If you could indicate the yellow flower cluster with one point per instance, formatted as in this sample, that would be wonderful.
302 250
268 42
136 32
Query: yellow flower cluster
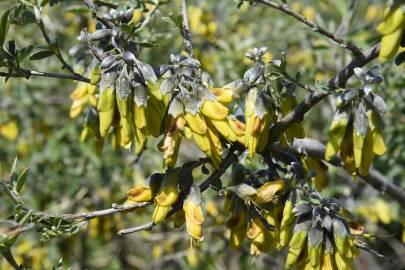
237 224
164 190
85 94
204 125
391 29
134 116
317 166
267 198
202 22
310 249
357 148
258 119
167 195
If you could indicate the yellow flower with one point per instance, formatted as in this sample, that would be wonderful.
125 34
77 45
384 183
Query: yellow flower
258 119
145 192
309 13
391 29
372 13
179 218
288 102
9 130
172 139
237 225
269 192
193 213
259 236
137 16
160 213
224 95
85 94
192 257
167 195
202 23
205 127
383 211
139 193
313 164
212 208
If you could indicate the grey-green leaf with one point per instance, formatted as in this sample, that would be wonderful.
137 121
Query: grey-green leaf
379 104
361 120
14 166
24 52
339 228
4 26
41 55
315 235
21 179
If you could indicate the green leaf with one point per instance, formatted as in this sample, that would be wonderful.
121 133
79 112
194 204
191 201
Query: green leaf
400 58
4 26
21 16
25 218
27 18
41 55
21 180
174 20
3 238
147 44
11 48
13 172
24 52
126 28
10 241
43 3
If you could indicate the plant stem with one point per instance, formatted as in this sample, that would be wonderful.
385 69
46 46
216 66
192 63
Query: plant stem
53 45
375 179
28 73
316 28
339 81
226 163
186 30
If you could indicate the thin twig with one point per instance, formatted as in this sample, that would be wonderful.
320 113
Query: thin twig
143 227
296 115
296 82
313 98
226 163
95 214
339 81
316 149
90 5
28 73
316 28
98 54
148 17
16 199
53 45
186 30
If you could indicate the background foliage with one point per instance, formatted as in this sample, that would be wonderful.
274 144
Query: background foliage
68 176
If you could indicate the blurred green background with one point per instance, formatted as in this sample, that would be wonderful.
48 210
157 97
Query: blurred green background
68 176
